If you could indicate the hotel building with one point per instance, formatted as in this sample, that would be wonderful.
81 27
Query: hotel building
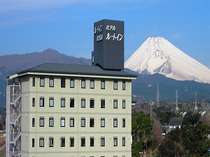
72 110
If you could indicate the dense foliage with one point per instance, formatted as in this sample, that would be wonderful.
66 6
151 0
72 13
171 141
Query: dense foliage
189 141
142 132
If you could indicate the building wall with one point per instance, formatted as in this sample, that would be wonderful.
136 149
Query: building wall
29 112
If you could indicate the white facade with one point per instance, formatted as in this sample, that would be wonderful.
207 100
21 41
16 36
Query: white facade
73 116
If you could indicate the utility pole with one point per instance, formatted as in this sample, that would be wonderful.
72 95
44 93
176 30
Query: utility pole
150 109
158 95
196 102
177 104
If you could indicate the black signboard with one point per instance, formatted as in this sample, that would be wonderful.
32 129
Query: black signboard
109 44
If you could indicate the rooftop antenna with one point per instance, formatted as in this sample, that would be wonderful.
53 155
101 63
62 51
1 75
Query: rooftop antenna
158 95
177 107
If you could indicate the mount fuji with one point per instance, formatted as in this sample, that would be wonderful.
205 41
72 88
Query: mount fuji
158 56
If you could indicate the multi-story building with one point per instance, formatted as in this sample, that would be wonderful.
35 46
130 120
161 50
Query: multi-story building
69 111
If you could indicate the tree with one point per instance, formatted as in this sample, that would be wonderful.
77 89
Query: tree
189 141
171 146
191 119
141 131
157 132
195 139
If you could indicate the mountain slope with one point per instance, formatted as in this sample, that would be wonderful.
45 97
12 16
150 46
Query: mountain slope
22 61
158 55
12 63
145 86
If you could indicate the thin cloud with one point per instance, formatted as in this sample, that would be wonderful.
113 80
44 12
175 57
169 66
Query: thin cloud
22 5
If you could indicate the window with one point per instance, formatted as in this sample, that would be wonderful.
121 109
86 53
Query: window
115 141
123 141
51 142
83 83
102 122
102 103
41 142
91 141
33 102
83 142
51 102
123 122
71 122
42 81
63 102
92 84
83 103
33 142
51 82
63 142
123 104
71 102
92 103
123 85
71 141
33 82
115 122
103 86
115 104
41 122
33 122
91 122
51 122
63 82
83 122
72 83
115 85
41 102
62 122
102 141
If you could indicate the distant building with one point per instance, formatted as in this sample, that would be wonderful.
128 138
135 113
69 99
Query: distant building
72 110
174 123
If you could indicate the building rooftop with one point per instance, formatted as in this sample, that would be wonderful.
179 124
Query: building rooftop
77 69
175 121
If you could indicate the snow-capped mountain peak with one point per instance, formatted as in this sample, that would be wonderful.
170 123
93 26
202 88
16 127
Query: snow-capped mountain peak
158 55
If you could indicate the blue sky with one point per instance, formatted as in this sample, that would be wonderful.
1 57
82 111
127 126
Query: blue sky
67 25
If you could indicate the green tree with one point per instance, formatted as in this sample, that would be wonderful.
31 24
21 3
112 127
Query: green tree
141 131
195 139
189 141
171 146
191 119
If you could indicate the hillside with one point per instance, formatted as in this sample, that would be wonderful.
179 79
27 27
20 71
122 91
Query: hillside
146 86
16 62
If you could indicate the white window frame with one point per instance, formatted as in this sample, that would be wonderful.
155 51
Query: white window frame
42 81
51 102
62 122
115 104
83 103
72 83
83 122
71 122
103 123
63 102
115 122
41 101
51 121
51 82
92 84
115 85
41 122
